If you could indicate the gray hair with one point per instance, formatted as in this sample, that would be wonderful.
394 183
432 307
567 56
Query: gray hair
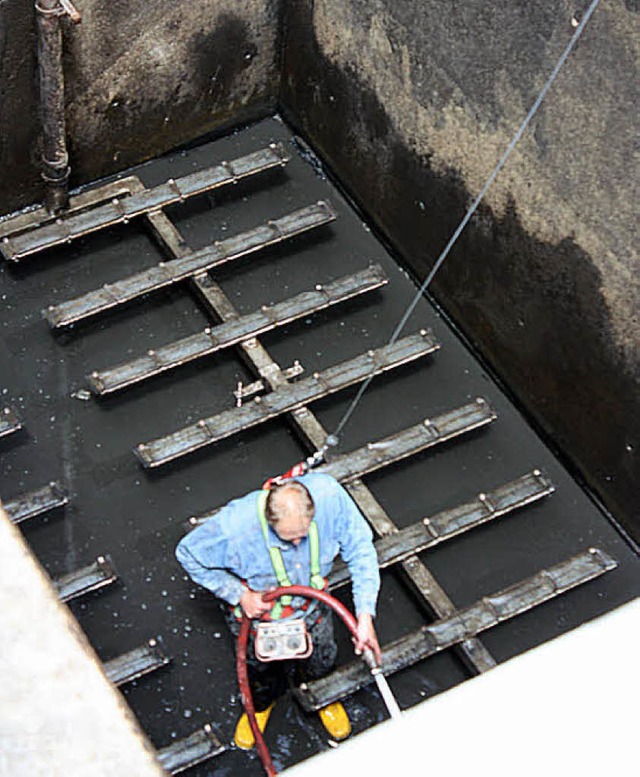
275 510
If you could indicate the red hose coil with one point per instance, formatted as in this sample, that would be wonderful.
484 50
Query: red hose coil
241 657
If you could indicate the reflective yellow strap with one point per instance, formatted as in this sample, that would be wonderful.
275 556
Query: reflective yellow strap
276 559
316 579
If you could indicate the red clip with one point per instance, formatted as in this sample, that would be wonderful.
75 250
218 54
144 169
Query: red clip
298 469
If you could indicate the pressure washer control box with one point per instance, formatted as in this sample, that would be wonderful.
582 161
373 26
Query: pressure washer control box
280 641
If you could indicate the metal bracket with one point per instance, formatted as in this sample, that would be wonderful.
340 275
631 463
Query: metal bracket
243 391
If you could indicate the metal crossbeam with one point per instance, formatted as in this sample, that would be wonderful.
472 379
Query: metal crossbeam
374 456
9 421
137 662
431 431
122 210
89 578
214 339
168 273
35 503
462 625
450 523
194 749
285 399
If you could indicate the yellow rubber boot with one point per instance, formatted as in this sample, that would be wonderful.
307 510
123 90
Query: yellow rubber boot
336 721
244 735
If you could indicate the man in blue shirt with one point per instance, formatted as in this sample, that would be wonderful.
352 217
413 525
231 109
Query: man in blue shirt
230 556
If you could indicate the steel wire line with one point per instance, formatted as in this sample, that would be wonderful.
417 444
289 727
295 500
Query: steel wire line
333 439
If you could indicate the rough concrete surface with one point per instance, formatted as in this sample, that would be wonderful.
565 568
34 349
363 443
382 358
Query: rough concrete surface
140 79
413 104
59 714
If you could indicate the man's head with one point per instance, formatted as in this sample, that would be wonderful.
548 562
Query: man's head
289 511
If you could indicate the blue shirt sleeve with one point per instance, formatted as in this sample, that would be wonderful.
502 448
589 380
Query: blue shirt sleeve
358 552
207 555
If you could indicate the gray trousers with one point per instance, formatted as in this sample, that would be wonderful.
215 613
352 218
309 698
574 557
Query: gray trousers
270 680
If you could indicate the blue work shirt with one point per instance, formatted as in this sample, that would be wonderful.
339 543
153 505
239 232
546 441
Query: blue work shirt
230 548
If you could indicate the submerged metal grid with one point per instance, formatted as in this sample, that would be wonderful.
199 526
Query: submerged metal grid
454 628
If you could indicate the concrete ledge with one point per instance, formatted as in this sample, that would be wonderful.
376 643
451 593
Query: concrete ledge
566 707
59 714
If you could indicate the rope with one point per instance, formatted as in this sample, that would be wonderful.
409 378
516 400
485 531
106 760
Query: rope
334 438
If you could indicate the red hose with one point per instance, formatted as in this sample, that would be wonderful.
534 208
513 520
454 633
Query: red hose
241 657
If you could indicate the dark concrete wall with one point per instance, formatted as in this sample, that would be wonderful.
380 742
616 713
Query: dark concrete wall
413 102
142 78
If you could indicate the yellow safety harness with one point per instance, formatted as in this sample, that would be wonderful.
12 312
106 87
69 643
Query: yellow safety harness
315 578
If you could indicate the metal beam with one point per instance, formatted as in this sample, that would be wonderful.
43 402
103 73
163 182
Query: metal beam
165 274
349 467
137 662
89 578
285 399
194 749
75 225
462 625
9 421
448 524
214 339
36 503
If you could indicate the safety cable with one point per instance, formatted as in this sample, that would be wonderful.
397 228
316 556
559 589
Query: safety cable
333 439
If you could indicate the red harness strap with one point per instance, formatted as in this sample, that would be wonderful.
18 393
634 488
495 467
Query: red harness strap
301 468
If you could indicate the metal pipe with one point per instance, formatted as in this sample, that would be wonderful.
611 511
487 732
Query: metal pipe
55 159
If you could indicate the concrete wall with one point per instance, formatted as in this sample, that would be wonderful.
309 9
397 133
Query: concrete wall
59 714
142 78
413 102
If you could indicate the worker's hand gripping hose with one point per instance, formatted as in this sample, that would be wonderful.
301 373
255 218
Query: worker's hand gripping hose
241 660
